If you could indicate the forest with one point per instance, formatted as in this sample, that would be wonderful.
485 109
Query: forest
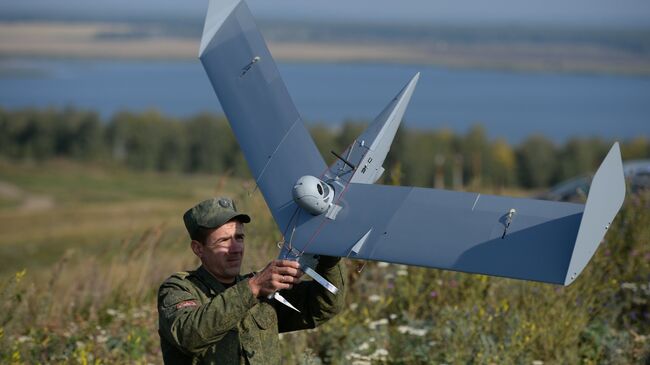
204 143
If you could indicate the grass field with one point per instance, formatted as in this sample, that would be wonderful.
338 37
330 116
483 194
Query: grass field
84 248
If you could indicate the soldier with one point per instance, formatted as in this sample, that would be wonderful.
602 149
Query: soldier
214 315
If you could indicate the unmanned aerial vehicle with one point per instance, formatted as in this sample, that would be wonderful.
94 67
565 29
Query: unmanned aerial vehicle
337 210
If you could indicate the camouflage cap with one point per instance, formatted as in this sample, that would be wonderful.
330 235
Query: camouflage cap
212 213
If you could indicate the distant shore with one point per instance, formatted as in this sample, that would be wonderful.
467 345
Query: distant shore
90 40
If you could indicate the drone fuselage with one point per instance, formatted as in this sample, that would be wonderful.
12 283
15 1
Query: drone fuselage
313 195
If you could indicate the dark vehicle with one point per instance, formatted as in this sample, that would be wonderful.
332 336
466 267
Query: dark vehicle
637 175
573 190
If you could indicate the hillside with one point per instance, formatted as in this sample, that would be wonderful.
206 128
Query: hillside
79 276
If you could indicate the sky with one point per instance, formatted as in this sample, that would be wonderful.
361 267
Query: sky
617 13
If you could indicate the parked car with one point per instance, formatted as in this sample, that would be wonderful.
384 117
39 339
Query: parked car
572 190
637 175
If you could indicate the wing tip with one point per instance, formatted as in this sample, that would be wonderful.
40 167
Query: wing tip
605 199
412 83
217 13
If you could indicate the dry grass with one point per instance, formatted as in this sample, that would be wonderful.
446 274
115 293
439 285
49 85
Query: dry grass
80 40
96 304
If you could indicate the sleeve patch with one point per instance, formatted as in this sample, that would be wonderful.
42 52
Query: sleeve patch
187 303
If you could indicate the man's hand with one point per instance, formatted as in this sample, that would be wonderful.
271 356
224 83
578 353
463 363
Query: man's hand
277 275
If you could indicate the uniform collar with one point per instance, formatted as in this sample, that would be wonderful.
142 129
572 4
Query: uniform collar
215 285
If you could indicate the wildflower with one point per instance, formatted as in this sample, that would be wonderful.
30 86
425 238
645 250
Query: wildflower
138 314
433 294
358 359
363 347
402 272
538 362
23 339
392 316
374 298
629 286
111 312
20 275
383 264
412 331
504 305
379 354
15 357
389 276
380 322
354 306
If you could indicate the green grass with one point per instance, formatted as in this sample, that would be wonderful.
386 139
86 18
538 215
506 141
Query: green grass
71 183
89 208
94 259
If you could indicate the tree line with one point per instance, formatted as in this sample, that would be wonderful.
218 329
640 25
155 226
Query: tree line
204 143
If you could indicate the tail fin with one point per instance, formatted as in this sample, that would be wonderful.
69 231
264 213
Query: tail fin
605 199
371 147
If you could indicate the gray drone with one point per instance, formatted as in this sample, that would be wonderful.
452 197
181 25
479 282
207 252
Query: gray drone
339 211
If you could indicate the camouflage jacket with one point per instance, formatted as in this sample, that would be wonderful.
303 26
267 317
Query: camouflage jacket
202 322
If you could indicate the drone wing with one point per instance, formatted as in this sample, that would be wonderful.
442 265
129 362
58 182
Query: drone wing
542 241
270 132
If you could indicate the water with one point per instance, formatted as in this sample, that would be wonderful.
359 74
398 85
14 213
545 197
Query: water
509 105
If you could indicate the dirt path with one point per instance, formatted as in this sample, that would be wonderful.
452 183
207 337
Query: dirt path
28 202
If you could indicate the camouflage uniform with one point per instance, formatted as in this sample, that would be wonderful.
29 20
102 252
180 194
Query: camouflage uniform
201 321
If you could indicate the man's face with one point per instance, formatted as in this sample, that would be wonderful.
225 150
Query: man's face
223 251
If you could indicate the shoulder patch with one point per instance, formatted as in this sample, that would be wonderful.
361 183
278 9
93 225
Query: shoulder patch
187 303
